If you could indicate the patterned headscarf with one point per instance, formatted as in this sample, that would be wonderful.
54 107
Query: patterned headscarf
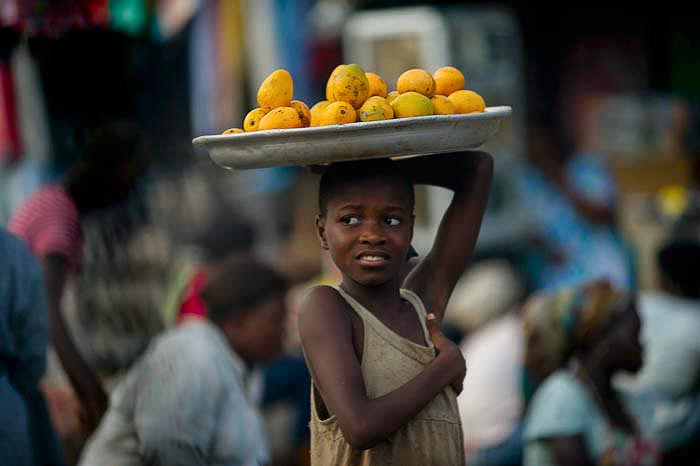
558 323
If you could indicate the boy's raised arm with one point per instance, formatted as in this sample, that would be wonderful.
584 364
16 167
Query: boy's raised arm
326 334
469 175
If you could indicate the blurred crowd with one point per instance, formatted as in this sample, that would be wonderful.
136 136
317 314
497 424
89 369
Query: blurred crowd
148 305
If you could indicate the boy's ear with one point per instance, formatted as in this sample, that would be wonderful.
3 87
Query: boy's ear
321 231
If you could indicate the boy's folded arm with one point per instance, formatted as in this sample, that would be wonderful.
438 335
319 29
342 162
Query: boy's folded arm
326 336
469 175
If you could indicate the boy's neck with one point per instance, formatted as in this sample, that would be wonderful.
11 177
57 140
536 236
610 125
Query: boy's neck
373 297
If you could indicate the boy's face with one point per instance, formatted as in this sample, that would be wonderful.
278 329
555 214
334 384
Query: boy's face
367 228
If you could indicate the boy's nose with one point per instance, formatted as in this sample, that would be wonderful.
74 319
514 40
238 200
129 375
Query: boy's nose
372 235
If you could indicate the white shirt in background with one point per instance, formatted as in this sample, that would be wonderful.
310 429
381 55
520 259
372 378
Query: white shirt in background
188 401
671 338
491 402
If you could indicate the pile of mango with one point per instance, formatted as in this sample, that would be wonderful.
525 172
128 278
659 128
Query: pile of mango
353 95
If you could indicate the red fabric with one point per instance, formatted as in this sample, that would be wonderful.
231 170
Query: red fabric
10 142
49 222
192 305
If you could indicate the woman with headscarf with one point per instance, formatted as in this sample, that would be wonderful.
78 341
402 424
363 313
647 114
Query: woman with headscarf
576 340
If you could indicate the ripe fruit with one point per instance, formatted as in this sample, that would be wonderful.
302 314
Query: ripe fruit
350 85
233 131
338 113
280 117
448 79
416 80
303 112
442 105
466 101
377 86
252 119
329 84
411 104
317 110
376 108
391 96
276 90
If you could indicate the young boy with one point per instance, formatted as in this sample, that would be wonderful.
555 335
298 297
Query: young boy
385 379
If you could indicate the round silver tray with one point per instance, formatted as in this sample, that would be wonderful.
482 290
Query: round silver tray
365 140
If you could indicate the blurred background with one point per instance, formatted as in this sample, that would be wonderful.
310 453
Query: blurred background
606 104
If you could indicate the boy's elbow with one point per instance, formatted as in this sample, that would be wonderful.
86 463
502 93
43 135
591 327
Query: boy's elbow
360 441
360 435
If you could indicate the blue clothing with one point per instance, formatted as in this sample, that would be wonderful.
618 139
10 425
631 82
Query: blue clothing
588 251
23 345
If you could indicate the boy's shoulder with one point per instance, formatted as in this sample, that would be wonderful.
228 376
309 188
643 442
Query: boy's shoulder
320 295
323 303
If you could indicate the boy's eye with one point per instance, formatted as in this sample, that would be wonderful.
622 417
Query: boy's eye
393 221
350 219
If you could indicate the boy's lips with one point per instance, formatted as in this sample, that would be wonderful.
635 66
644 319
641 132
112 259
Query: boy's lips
372 258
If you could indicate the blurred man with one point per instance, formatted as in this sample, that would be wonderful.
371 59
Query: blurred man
666 392
192 398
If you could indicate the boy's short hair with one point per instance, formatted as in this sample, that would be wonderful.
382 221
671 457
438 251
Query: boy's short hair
679 264
340 173
237 285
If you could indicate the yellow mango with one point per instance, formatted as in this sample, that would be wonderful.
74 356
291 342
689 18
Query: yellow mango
280 117
412 104
377 86
276 90
329 84
351 85
303 112
252 119
338 113
448 79
391 96
233 131
376 108
416 80
466 101
442 105
317 110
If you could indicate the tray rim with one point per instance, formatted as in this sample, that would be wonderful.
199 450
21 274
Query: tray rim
500 111
244 151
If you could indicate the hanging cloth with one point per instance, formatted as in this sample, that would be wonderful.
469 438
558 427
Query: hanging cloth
51 18
10 142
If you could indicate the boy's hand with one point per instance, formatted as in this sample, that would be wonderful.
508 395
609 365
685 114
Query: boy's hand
449 352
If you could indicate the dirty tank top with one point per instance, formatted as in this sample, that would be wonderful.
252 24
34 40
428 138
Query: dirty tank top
432 437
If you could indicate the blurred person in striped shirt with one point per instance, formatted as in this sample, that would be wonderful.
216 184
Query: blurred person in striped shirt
50 223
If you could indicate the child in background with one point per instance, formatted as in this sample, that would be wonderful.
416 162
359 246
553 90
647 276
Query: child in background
385 379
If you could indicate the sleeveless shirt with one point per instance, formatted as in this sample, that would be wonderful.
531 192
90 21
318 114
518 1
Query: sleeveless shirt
432 437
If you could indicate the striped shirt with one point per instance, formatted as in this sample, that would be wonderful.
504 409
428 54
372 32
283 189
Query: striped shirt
49 223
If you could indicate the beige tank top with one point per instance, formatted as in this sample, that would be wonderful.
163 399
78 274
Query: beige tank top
433 437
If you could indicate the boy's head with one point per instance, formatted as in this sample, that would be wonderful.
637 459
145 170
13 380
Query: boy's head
365 219
341 174
246 299
679 267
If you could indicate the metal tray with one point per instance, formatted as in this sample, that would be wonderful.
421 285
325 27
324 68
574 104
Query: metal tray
365 140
